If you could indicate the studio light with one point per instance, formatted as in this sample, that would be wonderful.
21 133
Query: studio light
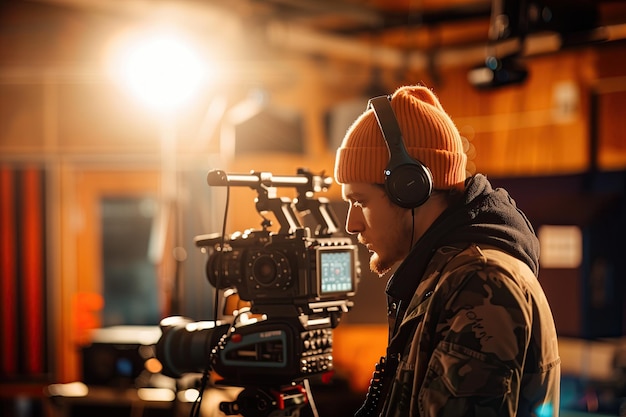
498 72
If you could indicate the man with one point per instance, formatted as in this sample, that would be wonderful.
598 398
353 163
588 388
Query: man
470 330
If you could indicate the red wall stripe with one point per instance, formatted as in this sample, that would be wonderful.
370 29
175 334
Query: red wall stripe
33 270
8 255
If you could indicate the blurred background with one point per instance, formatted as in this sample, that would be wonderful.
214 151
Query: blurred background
113 111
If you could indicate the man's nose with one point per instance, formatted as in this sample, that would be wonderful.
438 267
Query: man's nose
354 223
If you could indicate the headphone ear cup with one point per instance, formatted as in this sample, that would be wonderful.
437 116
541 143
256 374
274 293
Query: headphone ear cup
408 185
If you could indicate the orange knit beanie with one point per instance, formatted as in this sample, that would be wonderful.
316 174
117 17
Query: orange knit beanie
429 135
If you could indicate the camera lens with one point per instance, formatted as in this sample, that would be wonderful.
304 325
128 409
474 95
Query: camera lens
223 269
185 346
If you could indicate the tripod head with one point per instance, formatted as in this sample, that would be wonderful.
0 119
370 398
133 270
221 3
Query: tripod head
285 401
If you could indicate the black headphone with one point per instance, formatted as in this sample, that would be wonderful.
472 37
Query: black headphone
408 182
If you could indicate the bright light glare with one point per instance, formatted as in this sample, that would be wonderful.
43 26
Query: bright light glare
162 70
156 394
188 396
72 389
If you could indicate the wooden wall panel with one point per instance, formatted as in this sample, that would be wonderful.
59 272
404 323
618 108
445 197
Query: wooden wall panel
21 117
527 129
611 126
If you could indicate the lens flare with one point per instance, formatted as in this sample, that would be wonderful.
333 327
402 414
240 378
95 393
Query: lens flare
161 68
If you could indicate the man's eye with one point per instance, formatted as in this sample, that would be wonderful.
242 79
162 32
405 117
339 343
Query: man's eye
357 204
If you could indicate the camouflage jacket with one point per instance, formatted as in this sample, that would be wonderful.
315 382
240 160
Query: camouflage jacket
476 339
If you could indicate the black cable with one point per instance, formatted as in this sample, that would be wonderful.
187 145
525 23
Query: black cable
195 408
220 273
412 228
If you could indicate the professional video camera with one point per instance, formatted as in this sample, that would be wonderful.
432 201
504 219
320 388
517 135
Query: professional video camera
298 282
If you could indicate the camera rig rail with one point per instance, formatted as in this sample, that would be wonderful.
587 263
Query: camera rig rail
305 183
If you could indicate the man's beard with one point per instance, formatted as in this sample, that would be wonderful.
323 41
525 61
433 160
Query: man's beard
378 266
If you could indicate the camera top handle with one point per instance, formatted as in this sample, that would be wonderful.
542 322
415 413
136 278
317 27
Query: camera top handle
304 182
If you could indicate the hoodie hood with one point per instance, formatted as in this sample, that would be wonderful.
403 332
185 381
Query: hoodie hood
484 216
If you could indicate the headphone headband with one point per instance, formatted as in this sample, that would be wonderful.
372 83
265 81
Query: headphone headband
407 181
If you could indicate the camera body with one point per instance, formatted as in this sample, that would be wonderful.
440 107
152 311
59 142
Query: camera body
275 269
